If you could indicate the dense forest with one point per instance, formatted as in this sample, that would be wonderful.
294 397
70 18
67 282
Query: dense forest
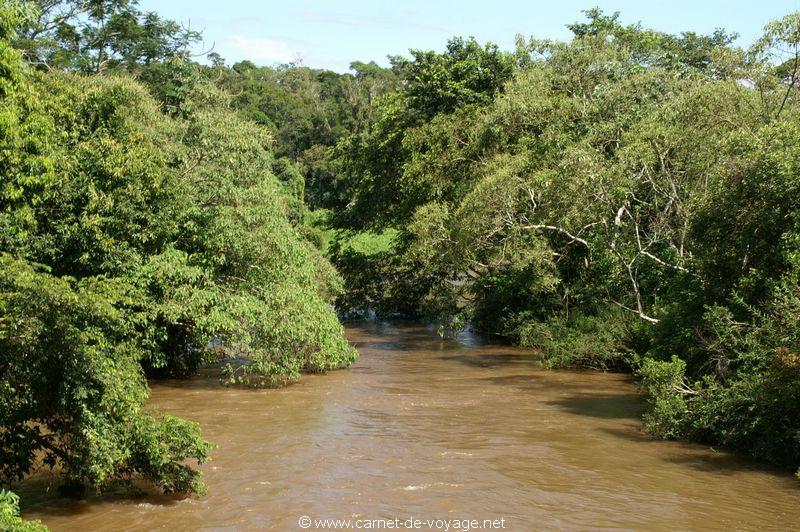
628 200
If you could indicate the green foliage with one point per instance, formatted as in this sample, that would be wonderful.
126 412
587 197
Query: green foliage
682 53
383 168
466 73
368 243
625 200
600 342
666 390
9 515
13 14
308 111
376 279
133 233
72 390
97 35
745 394
760 194
370 164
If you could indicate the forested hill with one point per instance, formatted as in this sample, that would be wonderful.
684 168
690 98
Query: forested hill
628 200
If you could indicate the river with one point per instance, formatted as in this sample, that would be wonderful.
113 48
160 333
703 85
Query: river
425 428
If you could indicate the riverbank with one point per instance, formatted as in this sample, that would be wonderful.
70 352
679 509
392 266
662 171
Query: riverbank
426 427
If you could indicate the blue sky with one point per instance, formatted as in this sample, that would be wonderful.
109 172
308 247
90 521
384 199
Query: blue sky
331 34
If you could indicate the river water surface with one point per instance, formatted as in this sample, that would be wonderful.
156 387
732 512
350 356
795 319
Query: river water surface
426 428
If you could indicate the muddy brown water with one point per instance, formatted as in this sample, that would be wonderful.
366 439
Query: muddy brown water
426 428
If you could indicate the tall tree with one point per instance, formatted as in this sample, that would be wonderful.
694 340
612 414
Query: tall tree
95 35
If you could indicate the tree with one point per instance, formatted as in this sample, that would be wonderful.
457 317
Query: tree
96 35
129 239
626 198
779 45
72 389
466 73
308 111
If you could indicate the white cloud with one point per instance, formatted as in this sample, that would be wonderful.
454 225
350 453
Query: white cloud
262 50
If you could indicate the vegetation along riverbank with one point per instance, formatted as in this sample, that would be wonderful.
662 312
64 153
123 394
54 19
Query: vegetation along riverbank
628 200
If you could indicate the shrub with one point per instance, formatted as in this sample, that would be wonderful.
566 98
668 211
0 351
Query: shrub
10 520
601 342
745 393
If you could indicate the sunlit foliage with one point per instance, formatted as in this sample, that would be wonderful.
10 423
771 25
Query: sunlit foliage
133 239
623 199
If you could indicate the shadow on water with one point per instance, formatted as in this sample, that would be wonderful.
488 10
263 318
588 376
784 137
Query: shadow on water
617 406
387 346
701 458
636 436
494 360
727 463
40 490
73 508
194 382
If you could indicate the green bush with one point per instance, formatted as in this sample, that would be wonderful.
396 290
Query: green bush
745 393
10 521
72 390
664 385
601 342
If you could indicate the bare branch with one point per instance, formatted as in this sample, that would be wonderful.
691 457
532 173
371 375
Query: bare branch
559 229
637 312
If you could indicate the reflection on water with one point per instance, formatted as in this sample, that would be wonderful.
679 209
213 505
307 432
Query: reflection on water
429 428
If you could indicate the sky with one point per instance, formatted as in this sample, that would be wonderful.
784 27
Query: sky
331 34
